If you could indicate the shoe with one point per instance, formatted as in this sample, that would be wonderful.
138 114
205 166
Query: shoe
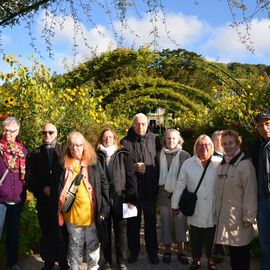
63 266
154 259
167 257
14 267
196 264
219 258
132 258
182 258
211 264
106 266
122 266
48 266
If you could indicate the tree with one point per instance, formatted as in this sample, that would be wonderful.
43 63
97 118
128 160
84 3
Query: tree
201 95
32 96
14 11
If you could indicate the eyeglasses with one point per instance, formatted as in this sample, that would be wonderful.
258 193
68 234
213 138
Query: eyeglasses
206 145
44 132
76 145
222 176
10 131
230 143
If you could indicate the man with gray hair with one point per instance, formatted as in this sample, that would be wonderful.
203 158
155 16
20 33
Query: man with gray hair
44 178
143 146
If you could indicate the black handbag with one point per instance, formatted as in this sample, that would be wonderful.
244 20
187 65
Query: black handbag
188 199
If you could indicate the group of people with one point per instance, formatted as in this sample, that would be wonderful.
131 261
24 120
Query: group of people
233 195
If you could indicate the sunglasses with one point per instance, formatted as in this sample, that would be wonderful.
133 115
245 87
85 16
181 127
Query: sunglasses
43 132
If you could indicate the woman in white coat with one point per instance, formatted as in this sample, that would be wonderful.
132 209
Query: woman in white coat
202 223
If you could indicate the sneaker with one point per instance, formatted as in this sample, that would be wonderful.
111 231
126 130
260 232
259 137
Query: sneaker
122 266
132 258
195 265
154 259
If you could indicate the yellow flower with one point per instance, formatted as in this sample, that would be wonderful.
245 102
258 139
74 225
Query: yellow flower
9 101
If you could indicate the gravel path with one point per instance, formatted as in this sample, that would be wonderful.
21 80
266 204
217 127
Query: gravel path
34 262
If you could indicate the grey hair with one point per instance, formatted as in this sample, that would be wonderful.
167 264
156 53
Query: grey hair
138 115
181 140
203 136
9 120
216 133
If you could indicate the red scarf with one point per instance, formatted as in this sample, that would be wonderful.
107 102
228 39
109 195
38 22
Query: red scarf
13 156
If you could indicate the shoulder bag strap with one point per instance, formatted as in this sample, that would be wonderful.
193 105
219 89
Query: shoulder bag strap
204 171
3 177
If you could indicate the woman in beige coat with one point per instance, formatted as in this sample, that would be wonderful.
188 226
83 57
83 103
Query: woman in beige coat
236 201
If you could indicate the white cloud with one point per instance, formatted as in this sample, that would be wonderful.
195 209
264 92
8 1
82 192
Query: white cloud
88 42
226 43
5 39
189 32
184 30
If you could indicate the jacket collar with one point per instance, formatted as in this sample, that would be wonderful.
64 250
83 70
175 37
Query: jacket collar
234 161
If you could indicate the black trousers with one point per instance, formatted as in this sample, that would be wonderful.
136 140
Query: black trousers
12 224
240 257
150 234
200 236
120 237
54 238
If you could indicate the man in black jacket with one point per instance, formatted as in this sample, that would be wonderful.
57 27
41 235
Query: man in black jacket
43 180
261 158
143 146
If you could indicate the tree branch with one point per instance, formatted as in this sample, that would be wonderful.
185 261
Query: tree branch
21 11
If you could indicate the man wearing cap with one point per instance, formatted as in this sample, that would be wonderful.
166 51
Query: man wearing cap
43 180
261 158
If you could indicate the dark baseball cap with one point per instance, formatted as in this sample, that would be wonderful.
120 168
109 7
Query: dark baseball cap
262 115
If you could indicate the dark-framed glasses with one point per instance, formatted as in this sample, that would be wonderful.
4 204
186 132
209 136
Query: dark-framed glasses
44 132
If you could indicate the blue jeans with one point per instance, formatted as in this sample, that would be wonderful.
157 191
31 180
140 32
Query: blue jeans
2 217
263 226
12 222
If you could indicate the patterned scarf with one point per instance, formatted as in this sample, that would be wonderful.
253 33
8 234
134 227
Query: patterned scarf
13 156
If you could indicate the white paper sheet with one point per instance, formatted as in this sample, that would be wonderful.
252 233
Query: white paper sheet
128 213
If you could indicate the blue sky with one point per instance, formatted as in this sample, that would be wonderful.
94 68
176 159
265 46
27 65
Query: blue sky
203 28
